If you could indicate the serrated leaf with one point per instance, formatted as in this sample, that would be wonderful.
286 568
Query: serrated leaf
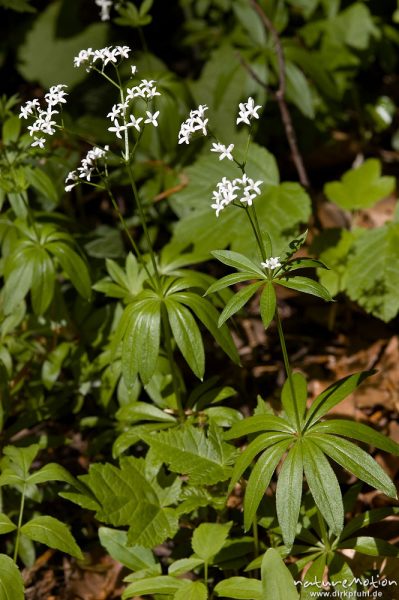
289 494
268 303
277 581
356 461
208 539
189 451
238 301
239 588
323 485
55 472
11 582
361 187
305 285
187 335
6 525
133 557
260 478
52 533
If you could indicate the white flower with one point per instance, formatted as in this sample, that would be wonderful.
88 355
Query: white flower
39 142
134 122
223 151
105 55
105 6
117 128
134 92
28 108
195 122
55 95
271 263
116 111
248 111
133 69
152 118
87 167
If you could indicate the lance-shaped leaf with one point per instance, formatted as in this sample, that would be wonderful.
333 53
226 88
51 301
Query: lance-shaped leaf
356 461
206 460
289 493
164 584
18 272
258 423
42 281
238 301
11 582
268 303
52 533
313 577
134 558
229 280
240 588
305 285
184 565
368 518
147 325
323 485
260 479
295 400
333 395
238 261
73 265
358 431
187 335
370 546
277 581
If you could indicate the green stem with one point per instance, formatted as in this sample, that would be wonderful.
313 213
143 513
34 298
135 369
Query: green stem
21 512
257 227
256 232
106 77
288 369
126 133
206 573
173 371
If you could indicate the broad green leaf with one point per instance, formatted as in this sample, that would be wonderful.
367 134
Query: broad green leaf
20 459
315 573
305 285
289 494
133 557
358 431
258 423
370 546
268 303
6 525
55 472
373 273
52 366
238 261
74 267
147 327
143 411
298 90
187 335
208 315
11 129
239 588
361 187
11 582
323 485
299 400
18 283
336 247
333 395
208 539
238 301
229 280
153 585
277 582
356 461
52 533
191 590
260 443
42 183
184 565
127 329
260 478
43 279
206 460
367 518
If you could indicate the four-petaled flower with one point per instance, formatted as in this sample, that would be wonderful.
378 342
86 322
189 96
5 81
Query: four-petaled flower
225 152
247 111
271 263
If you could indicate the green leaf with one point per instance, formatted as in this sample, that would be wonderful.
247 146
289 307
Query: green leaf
11 582
356 461
301 394
74 267
258 423
191 590
323 485
313 576
268 303
6 525
147 326
42 183
370 546
153 585
361 187
143 411
333 395
305 285
52 533
43 280
298 90
54 472
238 261
184 565
134 558
11 129
206 460
187 335
240 588
260 478
18 282
289 494
358 431
208 539
367 518
229 280
277 582
373 273
238 301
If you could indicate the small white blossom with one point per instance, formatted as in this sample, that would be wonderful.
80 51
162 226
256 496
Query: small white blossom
271 263
243 189
43 117
195 122
117 128
105 6
28 108
248 111
116 111
225 152
152 118
39 142
87 168
135 122
105 55
133 69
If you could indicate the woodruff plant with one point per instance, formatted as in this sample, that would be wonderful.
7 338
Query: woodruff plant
161 304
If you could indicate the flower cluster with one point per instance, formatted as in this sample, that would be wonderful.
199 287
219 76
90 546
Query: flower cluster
242 189
110 54
225 152
195 122
271 263
145 90
44 123
105 7
88 166
248 111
